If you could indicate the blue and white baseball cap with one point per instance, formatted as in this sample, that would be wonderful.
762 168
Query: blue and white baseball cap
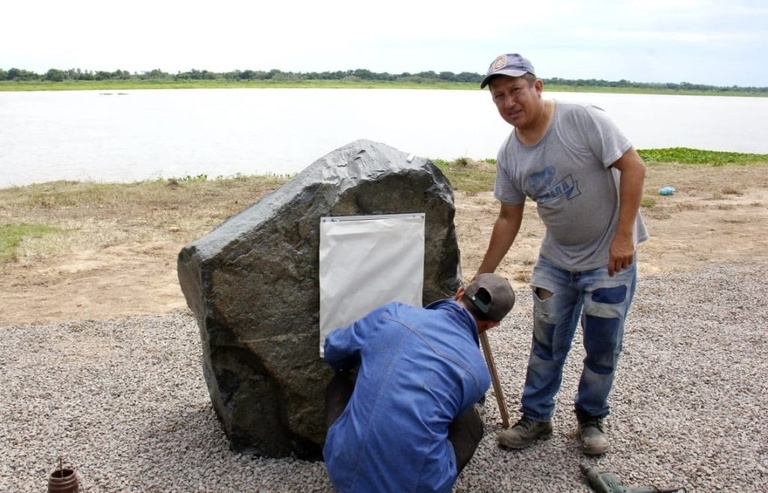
512 64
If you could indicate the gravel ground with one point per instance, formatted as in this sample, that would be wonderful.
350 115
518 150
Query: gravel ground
124 402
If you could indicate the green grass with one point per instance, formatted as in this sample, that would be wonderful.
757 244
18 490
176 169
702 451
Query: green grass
647 203
685 155
472 177
12 235
655 90
119 85
468 175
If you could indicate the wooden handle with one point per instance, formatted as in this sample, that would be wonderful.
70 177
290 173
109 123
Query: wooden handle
495 380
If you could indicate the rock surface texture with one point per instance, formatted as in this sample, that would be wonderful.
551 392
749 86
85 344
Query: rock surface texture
254 288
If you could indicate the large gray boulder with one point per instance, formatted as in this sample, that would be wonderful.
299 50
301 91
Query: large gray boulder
253 285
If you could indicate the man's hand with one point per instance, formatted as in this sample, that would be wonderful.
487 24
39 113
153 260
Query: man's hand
622 254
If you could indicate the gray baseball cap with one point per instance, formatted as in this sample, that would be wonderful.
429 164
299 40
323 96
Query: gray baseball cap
491 295
512 64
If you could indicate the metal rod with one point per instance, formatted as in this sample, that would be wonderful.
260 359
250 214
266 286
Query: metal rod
495 380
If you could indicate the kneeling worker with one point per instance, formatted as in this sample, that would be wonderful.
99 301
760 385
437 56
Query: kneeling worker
400 408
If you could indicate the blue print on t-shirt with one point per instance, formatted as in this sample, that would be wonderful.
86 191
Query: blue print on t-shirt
542 180
567 186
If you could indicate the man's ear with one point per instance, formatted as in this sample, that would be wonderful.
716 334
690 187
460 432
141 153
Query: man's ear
459 293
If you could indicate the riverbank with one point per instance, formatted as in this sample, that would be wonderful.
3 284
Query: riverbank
123 85
110 249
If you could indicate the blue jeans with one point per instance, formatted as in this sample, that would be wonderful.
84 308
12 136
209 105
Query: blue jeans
602 303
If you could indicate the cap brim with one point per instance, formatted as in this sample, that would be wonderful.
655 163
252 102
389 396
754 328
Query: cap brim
511 73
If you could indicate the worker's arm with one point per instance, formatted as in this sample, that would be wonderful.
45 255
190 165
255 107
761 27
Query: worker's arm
632 169
342 349
343 346
504 233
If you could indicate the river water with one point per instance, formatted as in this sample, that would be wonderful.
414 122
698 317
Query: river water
147 134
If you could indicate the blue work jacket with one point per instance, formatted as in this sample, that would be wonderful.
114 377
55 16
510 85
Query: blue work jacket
419 369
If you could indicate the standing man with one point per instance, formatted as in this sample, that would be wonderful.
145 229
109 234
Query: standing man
587 182
407 422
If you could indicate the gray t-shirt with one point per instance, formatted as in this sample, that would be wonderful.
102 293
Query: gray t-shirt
568 174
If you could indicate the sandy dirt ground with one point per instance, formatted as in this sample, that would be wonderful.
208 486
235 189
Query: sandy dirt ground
718 215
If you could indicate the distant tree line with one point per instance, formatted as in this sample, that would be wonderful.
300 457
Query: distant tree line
56 75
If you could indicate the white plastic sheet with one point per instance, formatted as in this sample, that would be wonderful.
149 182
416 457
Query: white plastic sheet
367 261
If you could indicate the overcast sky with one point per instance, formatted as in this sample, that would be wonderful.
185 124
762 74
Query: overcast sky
716 42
